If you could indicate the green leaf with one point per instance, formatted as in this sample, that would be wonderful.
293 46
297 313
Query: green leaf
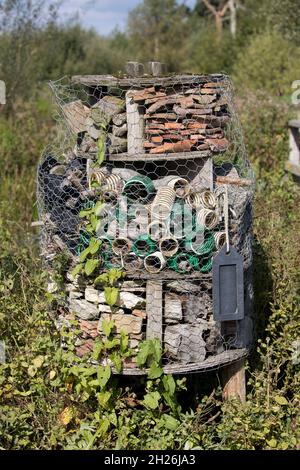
90 266
169 422
272 443
155 371
151 400
114 275
111 295
84 254
124 342
103 375
144 352
281 400
102 279
98 208
77 269
94 245
169 384
107 327
101 149
104 426
97 350
86 212
104 397
117 361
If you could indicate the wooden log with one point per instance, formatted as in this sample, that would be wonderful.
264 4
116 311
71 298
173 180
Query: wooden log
76 114
103 111
236 181
233 381
154 298
135 127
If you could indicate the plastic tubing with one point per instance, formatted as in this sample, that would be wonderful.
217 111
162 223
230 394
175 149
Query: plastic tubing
113 182
207 218
181 187
121 246
194 200
157 230
155 262
220 239
139 189
98 176
208 199
203 246
168 246
143 246
184 263
132 262
163 202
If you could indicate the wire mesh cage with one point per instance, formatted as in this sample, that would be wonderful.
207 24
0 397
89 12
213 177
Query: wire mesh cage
140 171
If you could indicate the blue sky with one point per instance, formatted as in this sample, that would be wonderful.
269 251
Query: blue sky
102 15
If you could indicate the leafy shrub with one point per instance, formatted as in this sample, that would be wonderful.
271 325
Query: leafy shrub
268 63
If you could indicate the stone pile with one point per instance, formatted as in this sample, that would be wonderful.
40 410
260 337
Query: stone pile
189 332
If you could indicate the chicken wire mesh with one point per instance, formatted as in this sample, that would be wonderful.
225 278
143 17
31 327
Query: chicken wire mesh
140 168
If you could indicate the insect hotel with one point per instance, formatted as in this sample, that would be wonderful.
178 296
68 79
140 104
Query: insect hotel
150 178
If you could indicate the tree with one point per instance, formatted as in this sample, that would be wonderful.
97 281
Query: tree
219 8
20 24
158 29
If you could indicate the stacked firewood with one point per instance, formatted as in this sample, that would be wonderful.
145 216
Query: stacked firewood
184 119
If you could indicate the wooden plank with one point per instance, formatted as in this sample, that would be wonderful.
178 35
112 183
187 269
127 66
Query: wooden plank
234 382
161 156
124 82
154 310
168 275
135 127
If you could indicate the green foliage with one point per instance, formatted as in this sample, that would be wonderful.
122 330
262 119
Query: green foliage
269 63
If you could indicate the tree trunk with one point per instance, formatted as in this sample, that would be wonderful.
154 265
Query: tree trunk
233 21
219 25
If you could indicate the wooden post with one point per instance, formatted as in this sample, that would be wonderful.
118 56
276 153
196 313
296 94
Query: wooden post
233 381
154 310
135 127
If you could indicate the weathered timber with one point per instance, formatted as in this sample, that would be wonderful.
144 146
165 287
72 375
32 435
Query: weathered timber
162 156
135 127
110 80
233 380
154 310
